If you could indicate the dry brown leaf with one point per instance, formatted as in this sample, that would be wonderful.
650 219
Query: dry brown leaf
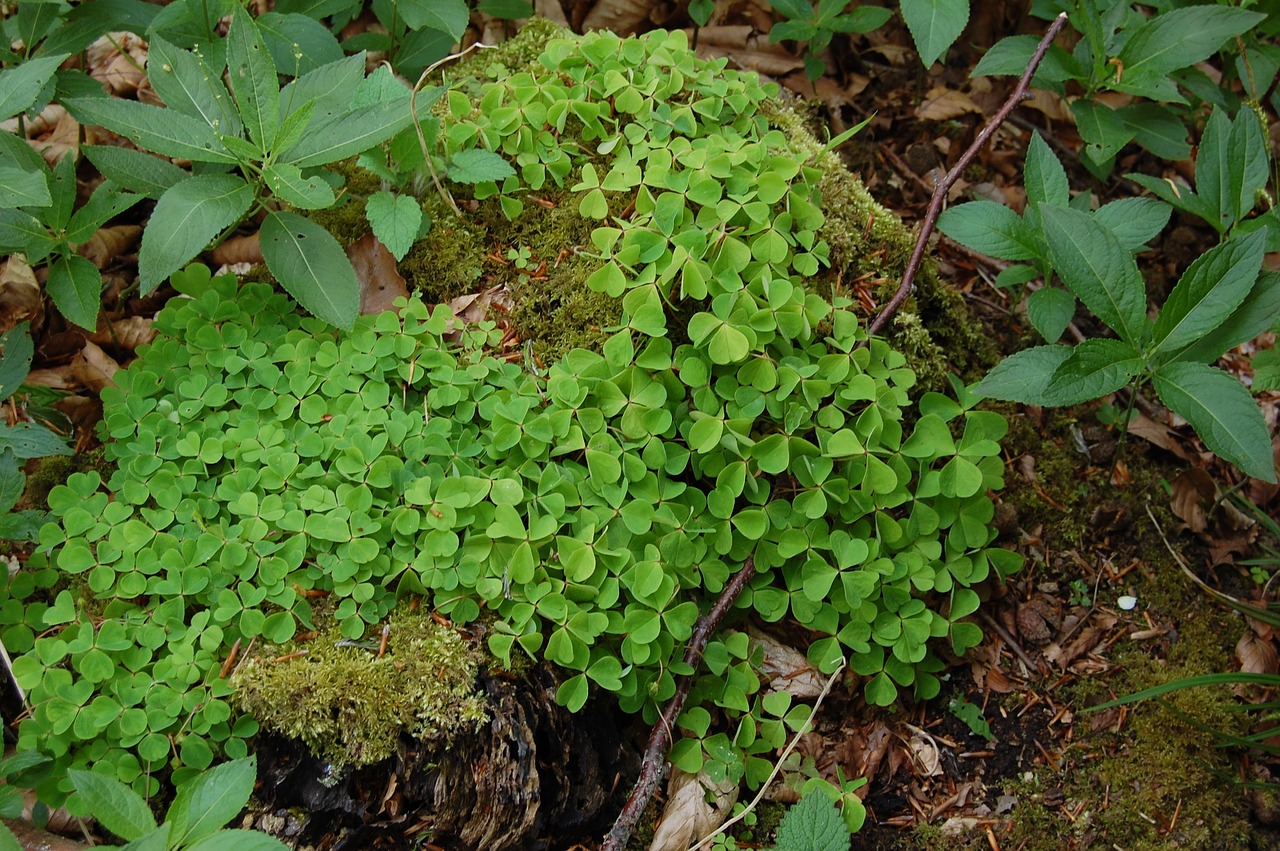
1160 435
626 17
108 243
35 126
1257 655
688 816
942 103
62 139
732 36
128 333
1049 104
787 669
237 249
56 378
117 60
380 282
768 62
19 287
1193 490
94 368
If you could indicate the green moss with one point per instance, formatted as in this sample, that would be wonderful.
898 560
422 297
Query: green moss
350 706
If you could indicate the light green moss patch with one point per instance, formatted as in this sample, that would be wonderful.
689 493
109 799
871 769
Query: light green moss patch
350 706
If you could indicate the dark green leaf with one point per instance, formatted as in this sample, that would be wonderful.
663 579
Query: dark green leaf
21 85
1248 167
813 824
1051 310
1213 171
1134 221
20 231
1180 196
1256 314
298 43
28 440
1011 55
508 10
1221 411
12 481
1098 269
934 25
75 285
448 16
331 86
22 188
118 807
990 228
1208 292
1100 126
287 183
16 350
312 266
106 202
186 219
164 131
187 84
205 804
337 137
1158 129
1024 376
1044 176
395 220
253 80
1096 368
1180 38
138 172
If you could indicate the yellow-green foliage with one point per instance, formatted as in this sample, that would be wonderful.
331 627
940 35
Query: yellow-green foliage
350 706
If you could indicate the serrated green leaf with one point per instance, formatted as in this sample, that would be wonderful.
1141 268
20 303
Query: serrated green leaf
311 265
1179 38
1134 221
990 228
287 183
1221 411
22 188
21 86
813 824
934 25
330 86
154 128
1213 170
12 481
1010 56
212 799
187 84
1209 292
136 171
118 807
1098 269
298 43
252 74
1096 367
335 137
1248 168
1158 129
479 165
240 840
20 231
1024 376
395 220
1101 128
75 285
1181 196
1256 314
29 440
447 16
16 351
1044 176
1051 310
186 219
106 202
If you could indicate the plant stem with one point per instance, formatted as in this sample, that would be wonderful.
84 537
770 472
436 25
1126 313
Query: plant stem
944 186
654 766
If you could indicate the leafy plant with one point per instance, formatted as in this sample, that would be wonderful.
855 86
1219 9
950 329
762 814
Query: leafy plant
816 25
593 511
998 231
934 25
813 824
21 441
1232 171
1124 50
13 771
278 141
1223 299
195 819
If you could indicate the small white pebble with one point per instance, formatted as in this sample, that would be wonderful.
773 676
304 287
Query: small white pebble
1127 602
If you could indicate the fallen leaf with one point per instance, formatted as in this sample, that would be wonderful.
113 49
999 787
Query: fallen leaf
786 668
1161 435
62 139
1256 656
380 281
128 333
94 368
688 816
942 103
19 288
237 249
108 243
117 60
1192 490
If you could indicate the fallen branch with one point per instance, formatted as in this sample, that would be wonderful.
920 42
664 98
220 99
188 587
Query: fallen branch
654 766
949 180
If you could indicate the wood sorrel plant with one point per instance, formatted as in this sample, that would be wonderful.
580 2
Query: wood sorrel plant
593 512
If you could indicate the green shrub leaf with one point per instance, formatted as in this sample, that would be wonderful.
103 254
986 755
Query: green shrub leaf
1134 221
395 220
1098 269
212 799
20 86
240 840
1179 38
134 170
75 285
479 165
187 84
1221 411
253 80
1208 292
1046 179
1051 310
164 131
991 228
1024 376
186 219
121 810
934 25
1096 367
813 824
1256 314
312 266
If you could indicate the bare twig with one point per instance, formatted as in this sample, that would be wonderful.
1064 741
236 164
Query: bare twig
944 186
654 765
